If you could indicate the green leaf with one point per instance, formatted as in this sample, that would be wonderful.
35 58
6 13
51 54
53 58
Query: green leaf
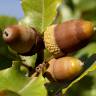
34 87
8 93
29 60
39 13
12 78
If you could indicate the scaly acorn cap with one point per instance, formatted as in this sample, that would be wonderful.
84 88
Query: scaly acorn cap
67 37
24 40
50 42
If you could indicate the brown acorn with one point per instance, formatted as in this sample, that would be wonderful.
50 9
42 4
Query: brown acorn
67 37
65 68
24 40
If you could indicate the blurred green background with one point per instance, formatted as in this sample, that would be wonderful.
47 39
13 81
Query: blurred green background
71 9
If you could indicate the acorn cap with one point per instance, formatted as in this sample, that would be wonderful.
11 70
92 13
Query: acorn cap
67 37
50 43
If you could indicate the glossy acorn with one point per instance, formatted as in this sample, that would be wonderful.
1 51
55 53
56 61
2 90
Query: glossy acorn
61 39
24 40
65 68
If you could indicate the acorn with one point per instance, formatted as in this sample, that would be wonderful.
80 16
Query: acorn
61 39
24 40
64 68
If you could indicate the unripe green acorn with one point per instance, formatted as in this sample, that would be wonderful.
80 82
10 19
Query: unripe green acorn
65 68
67 37
24 40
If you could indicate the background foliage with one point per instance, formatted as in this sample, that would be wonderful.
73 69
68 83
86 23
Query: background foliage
40 14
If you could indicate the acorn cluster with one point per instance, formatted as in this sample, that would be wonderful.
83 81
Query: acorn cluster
59 39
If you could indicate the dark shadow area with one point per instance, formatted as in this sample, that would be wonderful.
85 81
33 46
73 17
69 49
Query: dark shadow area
82 86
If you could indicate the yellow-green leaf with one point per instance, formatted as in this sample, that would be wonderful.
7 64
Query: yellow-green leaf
39 13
